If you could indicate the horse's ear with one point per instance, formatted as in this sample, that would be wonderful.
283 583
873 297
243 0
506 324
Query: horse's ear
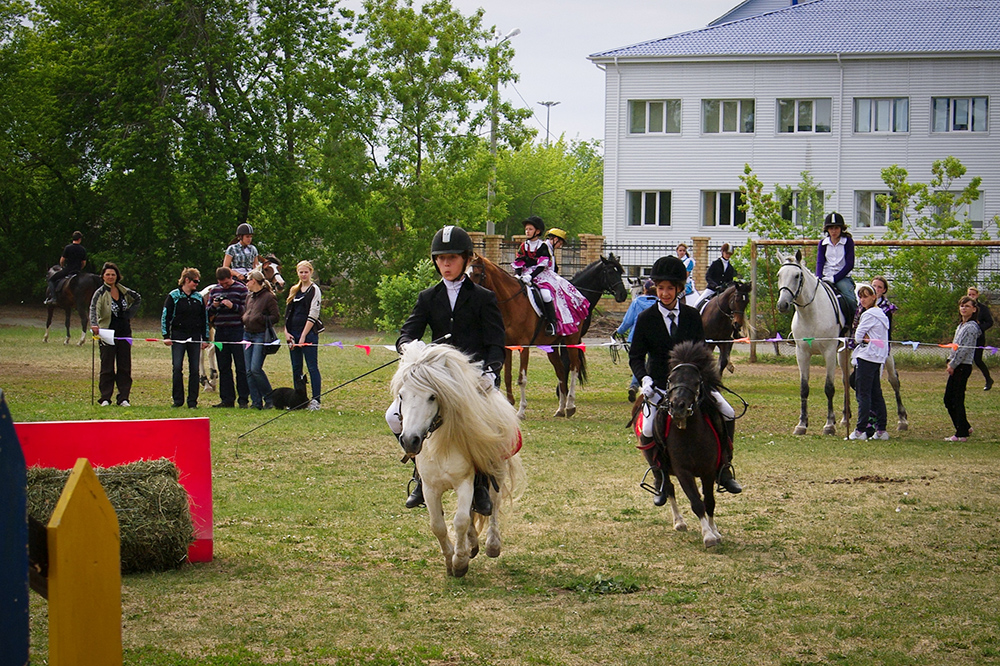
798 256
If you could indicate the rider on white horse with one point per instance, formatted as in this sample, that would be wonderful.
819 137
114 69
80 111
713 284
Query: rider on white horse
835 261
458 307
657 330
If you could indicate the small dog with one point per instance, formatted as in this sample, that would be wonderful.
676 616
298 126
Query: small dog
290 398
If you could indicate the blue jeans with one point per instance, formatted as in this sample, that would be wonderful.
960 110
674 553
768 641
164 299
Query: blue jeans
256 378
311 357
177 352
846 288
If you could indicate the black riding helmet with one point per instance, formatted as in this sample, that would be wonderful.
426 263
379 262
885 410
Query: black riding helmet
536 222
669 268
834 220
451 240
244 230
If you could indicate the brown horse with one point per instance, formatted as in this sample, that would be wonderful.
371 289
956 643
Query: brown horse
723 319
74 292
525 328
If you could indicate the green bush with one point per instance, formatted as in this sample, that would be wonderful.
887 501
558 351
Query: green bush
398 293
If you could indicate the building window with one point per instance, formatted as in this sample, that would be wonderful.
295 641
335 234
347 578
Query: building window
648 208
800 211
868 212
722 209
654 117
727 116
971 212
881 115
804 115
959 114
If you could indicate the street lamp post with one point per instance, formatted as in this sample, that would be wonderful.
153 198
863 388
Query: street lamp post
548 110
491 187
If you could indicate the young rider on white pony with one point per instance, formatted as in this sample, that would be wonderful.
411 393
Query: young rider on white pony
470 314
657 330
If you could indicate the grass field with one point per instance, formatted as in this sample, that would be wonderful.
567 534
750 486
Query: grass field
837 552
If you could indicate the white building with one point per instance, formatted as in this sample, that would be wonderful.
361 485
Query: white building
838 88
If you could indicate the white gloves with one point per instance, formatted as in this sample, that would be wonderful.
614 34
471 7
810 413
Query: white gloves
648 390
488 381
526 277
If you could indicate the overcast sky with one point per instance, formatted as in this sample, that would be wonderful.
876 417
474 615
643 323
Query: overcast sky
558 35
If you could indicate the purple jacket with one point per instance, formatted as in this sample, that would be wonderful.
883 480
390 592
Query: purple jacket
848 260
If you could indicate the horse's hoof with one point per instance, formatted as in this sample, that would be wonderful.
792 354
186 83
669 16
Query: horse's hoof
559 414
902 425
475 551
829 430
66 341
680 527
459 573
711 541
492 550
570 412
799 430
731 368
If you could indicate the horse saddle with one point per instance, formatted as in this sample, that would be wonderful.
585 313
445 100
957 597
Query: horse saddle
846 310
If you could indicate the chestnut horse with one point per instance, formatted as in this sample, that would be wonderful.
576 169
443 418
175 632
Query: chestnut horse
525 328
73 293
723 319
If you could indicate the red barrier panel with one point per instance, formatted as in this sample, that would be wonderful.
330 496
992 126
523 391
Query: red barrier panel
108 443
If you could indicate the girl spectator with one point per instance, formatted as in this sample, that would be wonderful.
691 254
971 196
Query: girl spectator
688 261
113 307
301 330
184 325
872 347
960 368
261 311
881 287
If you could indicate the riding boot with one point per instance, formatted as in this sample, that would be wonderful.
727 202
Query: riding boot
549 309
416 497
481 502
660 496
726 477
50 294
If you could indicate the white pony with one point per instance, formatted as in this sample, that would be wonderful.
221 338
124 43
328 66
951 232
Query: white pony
816 329
455 423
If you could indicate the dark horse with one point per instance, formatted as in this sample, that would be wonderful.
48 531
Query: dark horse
73 293
687 435
723 319
524 327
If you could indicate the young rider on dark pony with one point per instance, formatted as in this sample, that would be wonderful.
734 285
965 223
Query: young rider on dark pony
470 314
835 261
657 330
533 256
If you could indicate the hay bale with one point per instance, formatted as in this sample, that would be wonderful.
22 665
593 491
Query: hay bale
154 520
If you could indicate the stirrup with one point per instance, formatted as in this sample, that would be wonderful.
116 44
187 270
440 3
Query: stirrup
645 485
409 494
719 488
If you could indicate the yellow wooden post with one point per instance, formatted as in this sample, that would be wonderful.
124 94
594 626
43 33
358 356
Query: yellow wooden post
85 608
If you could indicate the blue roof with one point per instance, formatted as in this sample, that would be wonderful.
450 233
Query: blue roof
827 27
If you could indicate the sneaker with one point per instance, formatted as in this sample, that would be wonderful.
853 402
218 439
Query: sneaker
104 403
124 403
881 434
857 434
313 405
956 438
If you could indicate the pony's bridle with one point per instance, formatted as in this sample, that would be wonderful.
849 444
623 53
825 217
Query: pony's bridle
798 290
435 424
672 388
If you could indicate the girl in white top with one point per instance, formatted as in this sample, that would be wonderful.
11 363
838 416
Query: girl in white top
872 338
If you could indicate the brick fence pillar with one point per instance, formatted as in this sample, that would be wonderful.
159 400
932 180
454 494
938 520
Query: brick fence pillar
591 247
699 251
492 251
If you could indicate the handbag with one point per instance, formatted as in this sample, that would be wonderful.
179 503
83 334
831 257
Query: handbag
271 344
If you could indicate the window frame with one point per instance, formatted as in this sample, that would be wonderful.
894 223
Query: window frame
670 115
876 106
872 210
743 118
659 206
797 104
952 110
736 218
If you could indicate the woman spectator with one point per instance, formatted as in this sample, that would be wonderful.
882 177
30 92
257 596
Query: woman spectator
113 307
261 312
184 325
688 261
960 368
301 330
872 347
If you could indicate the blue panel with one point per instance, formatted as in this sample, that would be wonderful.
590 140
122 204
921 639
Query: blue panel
13 545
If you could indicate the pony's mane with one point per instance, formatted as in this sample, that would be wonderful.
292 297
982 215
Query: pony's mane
699 355
477 420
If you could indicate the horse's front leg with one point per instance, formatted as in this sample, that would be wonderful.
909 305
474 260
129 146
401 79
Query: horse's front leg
572 373
890 370
435 514
562 387
507 380
48 323
522 382
679 524
802 358
461 523
725 351
845 365
69 316
493 530
690 486
84 315
708 490
830 390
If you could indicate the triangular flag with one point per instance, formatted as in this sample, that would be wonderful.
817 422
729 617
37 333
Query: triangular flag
367 348
878 343
340 344
581 347
546 348
808 341
951 345
517 348
152 339
128 340
218 345
747 340
912 343
991 350
246 344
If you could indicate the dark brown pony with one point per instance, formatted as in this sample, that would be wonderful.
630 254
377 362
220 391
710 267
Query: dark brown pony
73 293
724 317
686 435
525 328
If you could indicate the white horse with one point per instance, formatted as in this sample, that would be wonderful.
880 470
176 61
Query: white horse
209 370
455 423
816 329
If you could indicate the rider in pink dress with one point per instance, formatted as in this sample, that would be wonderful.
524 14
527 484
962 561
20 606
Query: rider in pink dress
563 306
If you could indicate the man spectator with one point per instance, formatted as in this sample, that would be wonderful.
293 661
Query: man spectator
985 320
73 259
225 304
